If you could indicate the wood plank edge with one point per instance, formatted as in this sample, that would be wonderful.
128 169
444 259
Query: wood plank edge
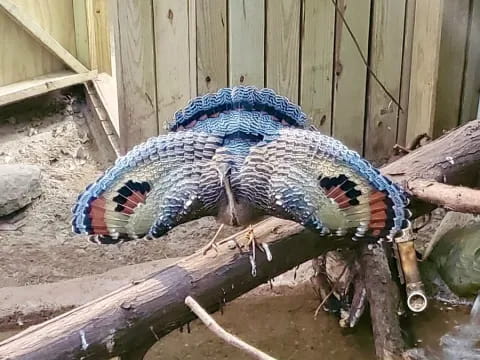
29 88
100 123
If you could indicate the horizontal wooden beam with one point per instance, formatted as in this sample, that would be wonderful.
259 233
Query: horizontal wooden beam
29 88
38 33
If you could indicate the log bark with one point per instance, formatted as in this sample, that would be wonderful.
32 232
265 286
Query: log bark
384 300
131 319
455 198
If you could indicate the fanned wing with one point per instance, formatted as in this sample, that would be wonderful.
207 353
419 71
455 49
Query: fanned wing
315 180
159 184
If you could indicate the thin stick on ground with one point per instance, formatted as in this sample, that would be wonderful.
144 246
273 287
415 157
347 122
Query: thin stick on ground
213 326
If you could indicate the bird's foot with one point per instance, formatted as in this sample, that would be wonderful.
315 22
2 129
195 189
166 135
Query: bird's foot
251 241
212 244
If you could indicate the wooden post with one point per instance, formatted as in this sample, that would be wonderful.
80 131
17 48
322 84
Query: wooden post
135 65
386 62
173 70
350 73
211 45
85 32
471 76
451 65
316 79
283 44
425 59
406 71
246 42
102 29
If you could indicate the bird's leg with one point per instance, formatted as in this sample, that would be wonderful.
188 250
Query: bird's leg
212 243
251 240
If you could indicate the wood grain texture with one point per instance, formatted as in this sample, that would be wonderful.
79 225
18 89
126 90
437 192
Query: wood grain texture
136 65
282 47
451 65
425 58
211 45
386 45
103 29
316 80
30 25
246 42
350 74
192 42
84 41
173 71
406 71
54 17
471 77
43 84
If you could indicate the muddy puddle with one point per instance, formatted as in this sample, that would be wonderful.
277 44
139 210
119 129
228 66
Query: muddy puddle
284 327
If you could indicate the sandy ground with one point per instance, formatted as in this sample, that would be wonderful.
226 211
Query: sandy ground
44 249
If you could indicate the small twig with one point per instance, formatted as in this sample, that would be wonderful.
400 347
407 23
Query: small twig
401 148
364 59
213 326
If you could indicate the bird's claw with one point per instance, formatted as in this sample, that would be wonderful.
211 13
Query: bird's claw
251 241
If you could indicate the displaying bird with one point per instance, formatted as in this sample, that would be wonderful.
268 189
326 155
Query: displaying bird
240 154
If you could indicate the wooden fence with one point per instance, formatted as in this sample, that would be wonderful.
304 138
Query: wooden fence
50 44
424 52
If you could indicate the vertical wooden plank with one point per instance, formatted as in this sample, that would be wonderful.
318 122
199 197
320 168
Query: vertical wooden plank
192 43
350 73
85 32
283 47
173 71
386 61
211 45
471 78
316 80
451 65
136 66
102 27
246 42
406 71
425 57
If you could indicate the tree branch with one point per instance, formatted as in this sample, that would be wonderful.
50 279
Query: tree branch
213 326
456 198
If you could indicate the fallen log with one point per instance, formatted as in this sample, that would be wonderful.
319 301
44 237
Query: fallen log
133 318
128 321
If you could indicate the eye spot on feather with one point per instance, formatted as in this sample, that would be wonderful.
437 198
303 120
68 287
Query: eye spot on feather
341 190
131 195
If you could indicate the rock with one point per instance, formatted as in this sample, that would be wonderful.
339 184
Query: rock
452 220
19 185
32 131
457 258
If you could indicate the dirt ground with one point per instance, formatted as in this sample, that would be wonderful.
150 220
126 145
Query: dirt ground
44 249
